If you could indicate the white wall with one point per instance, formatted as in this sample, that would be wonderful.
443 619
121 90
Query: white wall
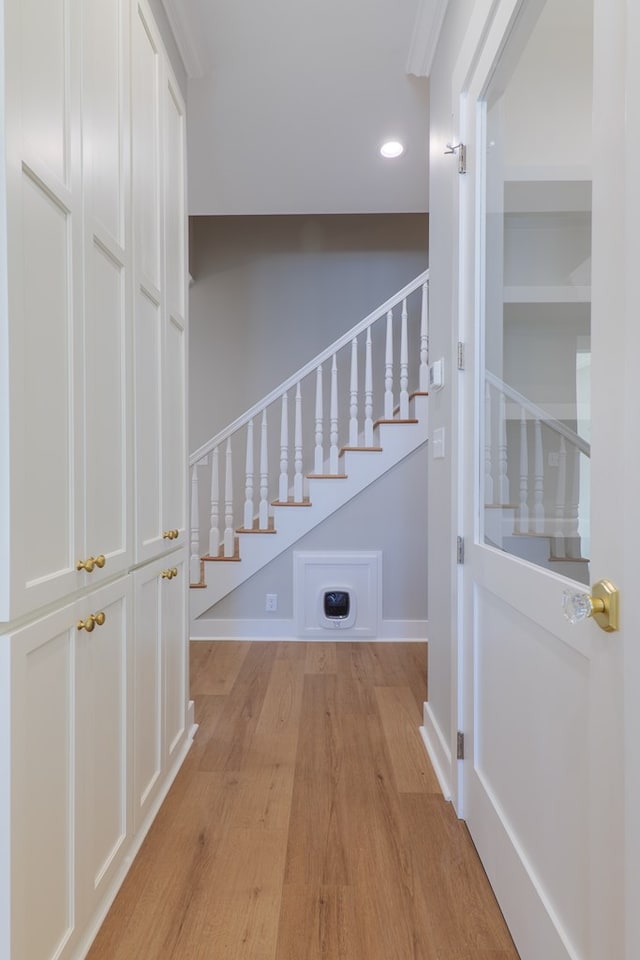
160 17
272 292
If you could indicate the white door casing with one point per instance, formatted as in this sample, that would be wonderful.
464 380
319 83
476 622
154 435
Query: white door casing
541 701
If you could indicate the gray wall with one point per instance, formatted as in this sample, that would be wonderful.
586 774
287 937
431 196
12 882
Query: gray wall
269 293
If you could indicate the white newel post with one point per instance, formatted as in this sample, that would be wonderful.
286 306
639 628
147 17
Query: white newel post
523 510
318 461
353 395
214 522
503 479
283 486
424 340
194 562
263 512
388 369
229 537
368 393
538 480
333 419
248 483
404 365
488 465
297 440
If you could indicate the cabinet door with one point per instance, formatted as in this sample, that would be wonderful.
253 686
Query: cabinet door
44 257
174 643
148 707
102 673
40 768
106 293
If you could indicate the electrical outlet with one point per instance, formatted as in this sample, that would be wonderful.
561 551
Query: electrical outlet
271 602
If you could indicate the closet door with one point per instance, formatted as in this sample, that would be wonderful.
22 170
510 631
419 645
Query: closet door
43 335
107 276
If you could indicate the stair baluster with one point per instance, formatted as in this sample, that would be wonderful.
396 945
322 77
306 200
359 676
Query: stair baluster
424 340
214 523
523 510
488 465
388 369
572 541
503 479
248 484
194 560
561 493
283 488
333 419
263 510
538 488
318 463
298 491
404 365
229 536
353 395
368 393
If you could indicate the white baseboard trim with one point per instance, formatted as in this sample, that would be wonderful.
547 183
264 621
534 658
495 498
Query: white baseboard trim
438 750
390 631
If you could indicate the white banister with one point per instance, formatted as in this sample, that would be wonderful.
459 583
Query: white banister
248 483
263 509
194 561
538 480
319 438
561 489
503 479
214 521
283 487
353 395
489 497
368 393
404 365
388 369
297 466
523 508
229 536
424 339
333 419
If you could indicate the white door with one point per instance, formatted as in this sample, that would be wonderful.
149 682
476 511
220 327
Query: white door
547 246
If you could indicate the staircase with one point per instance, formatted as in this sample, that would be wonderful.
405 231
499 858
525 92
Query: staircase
257 488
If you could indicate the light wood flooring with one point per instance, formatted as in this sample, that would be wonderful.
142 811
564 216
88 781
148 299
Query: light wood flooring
306 822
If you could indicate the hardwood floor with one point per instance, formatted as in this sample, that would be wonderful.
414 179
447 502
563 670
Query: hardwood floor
306 822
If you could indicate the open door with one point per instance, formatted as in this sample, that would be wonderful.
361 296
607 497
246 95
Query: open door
549 503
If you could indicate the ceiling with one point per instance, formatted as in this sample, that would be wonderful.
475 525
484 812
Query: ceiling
289 101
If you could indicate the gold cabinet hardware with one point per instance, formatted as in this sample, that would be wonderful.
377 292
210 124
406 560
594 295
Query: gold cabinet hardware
170 534
169 573
602 604
174 571
101 560
88 564
93 620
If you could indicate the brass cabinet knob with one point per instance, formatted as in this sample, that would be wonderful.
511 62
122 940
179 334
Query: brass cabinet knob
602 604
169 573
170 534
93 620
100 618
101 560
174 571
87 564
176 534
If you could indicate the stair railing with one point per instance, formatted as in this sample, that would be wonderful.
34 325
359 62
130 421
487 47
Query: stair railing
260 445
522 439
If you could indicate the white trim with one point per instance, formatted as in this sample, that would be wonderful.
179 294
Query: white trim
187 42
426 33
391 631
438 750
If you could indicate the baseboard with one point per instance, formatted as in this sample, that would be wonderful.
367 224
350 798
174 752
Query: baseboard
438 750
414 631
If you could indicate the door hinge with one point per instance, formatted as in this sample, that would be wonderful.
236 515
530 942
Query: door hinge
460 355
460 550
461 150
460 750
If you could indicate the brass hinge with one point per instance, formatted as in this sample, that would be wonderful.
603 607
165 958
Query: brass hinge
460 550
460 751
460 355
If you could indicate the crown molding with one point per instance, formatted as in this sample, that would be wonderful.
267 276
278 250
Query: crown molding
426 33
190 47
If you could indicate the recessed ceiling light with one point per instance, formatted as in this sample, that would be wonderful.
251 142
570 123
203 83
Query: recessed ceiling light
392 149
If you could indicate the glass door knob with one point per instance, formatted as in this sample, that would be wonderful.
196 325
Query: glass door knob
602 604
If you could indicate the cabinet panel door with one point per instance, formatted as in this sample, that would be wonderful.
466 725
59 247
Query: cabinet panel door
146 156
147 688
42 786
103 756
174 633
148 424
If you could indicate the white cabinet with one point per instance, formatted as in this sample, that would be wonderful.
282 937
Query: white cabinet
66 713
159 672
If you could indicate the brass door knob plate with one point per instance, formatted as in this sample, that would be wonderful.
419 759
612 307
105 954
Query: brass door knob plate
603 605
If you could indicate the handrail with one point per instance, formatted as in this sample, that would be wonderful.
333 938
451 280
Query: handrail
308 368
540 414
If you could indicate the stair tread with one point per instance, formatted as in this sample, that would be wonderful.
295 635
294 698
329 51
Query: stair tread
327 476
255 530
395 420
361 449
209 559
291 503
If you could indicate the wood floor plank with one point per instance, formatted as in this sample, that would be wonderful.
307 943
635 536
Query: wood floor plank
411 766
301 826
321 658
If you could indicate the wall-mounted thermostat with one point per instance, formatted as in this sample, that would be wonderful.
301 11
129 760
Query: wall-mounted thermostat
436 375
